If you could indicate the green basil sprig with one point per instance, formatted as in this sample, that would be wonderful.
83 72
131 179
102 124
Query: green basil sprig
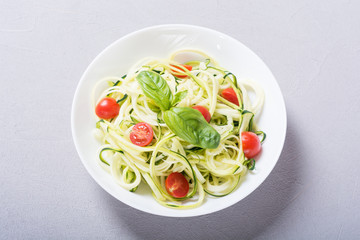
178 97
190 125
156 88
187 123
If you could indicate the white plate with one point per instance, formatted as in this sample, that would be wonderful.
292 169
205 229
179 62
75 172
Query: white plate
160 41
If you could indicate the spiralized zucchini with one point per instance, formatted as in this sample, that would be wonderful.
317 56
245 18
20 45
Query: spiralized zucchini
213 171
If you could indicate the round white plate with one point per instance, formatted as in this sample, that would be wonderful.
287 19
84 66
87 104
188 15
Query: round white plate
160 41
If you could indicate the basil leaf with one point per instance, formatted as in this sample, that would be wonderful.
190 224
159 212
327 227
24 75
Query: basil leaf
153 107
190 125
155 88
178 97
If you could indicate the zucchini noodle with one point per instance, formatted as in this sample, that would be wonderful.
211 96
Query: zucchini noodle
215 172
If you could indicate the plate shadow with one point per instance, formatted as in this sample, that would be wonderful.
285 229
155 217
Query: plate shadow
244 220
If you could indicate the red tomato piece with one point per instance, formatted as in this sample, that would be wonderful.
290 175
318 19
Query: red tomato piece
204 111
107 108
142 134
177 185
180 73
230 95
251 144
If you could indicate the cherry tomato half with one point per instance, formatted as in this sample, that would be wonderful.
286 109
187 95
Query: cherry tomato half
141 134
180 73
251 144
177 185
230 95
107 108
204 111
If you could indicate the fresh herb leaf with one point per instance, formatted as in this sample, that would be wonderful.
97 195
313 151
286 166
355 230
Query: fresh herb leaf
154 107
178 97
190 125
155 88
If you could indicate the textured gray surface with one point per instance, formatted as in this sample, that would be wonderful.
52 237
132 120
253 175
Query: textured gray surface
313 49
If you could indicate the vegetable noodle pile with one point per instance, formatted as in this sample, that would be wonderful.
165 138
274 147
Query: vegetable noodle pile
193 117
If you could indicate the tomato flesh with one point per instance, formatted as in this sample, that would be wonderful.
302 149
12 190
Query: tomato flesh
177 185
141 134
180 73
230 95
107 108
204 111
251 144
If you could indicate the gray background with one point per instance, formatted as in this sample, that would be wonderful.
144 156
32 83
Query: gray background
313 49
